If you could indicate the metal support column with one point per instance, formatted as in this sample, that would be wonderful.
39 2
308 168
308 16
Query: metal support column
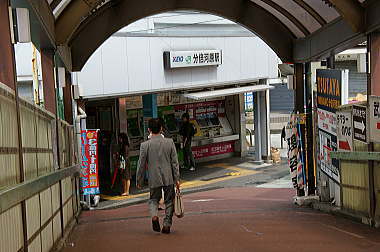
309 130
257 127
265 124
373 88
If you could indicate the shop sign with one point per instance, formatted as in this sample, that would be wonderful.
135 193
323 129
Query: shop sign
345 142
332 92
89 168
359 117
180 59
213 149
374 119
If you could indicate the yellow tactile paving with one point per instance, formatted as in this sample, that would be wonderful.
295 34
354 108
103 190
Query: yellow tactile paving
237 172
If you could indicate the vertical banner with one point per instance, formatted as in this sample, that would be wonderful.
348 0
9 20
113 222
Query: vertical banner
89 172
295 153
332 92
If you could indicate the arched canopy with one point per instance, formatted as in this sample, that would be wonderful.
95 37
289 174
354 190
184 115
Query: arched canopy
83 25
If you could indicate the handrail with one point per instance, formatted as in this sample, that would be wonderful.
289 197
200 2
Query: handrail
356 155
13 195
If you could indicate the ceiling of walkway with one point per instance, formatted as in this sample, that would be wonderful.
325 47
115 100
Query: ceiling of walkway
83 25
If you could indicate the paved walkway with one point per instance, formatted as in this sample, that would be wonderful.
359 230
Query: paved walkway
221 173
228 219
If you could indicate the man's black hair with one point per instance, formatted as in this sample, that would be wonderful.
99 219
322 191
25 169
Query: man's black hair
186 115
154 125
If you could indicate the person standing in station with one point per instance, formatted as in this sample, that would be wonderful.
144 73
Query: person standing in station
160 155
187 132
124 166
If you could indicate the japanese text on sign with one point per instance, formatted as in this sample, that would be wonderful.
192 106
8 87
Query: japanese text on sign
374 119
89 168
359 116
178 59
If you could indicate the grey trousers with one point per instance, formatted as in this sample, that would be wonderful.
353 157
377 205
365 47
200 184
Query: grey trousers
155 196
188 156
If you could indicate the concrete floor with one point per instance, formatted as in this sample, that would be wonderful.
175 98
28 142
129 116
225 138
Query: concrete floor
228 219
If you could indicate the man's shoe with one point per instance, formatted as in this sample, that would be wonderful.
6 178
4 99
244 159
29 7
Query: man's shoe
156 224
166 230
192 168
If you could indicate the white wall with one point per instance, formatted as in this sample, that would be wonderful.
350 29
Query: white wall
125 65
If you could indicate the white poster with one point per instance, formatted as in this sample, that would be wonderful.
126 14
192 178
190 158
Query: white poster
326 145
374 119
345 141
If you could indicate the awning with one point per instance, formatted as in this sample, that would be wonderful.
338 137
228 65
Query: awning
227 92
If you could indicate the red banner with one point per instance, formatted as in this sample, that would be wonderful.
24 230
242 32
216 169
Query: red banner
213 149
89 173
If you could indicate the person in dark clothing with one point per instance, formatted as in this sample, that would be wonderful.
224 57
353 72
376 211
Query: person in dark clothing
124 166
187 132
104 162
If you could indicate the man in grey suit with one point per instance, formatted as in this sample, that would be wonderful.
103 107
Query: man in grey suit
160 156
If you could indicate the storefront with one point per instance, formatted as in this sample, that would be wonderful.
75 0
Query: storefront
214 139
218 117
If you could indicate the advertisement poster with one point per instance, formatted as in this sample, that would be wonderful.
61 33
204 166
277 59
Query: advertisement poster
345 140
332 92
213 149
359 117
374 119
89 168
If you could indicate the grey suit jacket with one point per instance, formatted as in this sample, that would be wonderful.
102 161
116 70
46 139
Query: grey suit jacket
160 155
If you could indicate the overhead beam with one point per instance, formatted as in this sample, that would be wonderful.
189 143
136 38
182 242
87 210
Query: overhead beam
324 42
116 15
311 11
72 16
288 15
352 12
321 44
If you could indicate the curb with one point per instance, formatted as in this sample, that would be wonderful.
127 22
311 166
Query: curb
337 211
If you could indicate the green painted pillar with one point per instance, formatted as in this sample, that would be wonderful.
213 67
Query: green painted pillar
149 110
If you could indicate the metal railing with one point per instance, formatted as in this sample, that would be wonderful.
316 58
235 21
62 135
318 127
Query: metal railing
13 195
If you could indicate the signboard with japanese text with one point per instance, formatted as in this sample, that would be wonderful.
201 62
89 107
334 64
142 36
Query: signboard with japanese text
345 140
89 167
294 153
330 167
332 92
213 149
374 119
359 118
179 59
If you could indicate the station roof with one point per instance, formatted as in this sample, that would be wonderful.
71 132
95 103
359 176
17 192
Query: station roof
297 30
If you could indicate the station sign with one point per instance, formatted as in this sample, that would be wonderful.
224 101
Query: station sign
359 117
345 140
181 59
374 119
332 92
